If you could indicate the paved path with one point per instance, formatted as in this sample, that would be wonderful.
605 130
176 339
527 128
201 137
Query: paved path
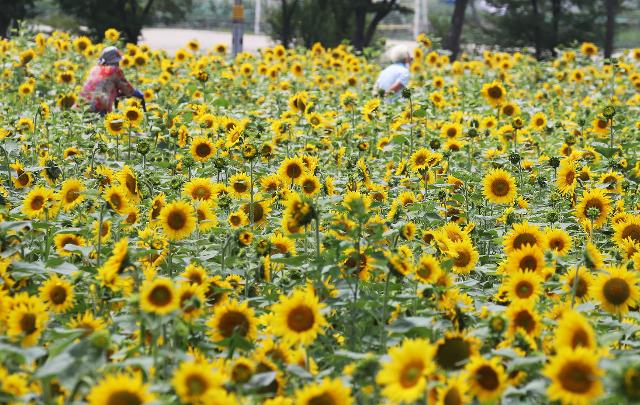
172 39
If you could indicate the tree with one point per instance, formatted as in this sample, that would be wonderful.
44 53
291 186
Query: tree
12 12
611 9
457 22
363 32
127 16
283 21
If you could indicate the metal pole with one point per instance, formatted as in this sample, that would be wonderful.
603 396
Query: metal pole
256 19
425 14
238 27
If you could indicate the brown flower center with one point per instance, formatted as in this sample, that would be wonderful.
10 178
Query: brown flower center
616 291
300 319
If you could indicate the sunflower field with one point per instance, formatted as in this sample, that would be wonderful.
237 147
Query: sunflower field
269 231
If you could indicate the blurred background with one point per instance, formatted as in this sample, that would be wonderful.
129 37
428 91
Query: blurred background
540 26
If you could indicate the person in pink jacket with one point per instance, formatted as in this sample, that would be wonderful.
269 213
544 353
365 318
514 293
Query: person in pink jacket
106 82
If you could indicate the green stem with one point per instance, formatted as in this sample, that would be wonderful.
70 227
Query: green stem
383 320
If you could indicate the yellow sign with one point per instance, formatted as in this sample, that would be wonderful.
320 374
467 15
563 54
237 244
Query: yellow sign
238 12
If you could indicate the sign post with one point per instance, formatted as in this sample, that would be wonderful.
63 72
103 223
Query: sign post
238 27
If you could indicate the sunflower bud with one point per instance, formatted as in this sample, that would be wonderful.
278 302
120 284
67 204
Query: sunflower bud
249 151
220 163
435 144
406 93
554 162
518 123
552 217
593 213
514 158
101 339
176 183
609 111
143 147
188 161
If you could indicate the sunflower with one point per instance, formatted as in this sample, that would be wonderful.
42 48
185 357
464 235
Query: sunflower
116 197
282 244
86 322
133 115
617 290
71 193
129 182
524 234
201 149
405 376
58 294
199 188
23 178
451 130
115 123
326 392
523 286
523 317
120 389
558 241
601 125
26 320
36 202
238 219
428 269
494 93
420 159
486 378
499 187
464 255
539 121
370 109
454 349
192 299
178 220
454 392
574 331
297 318
582 289
232 318
194 274
588 49
567 177
310 185
629 228
192 381
240 185
206 216
291 170
63 239
158 296
575 377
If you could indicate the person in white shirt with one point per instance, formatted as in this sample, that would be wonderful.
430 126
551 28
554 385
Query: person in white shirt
395 76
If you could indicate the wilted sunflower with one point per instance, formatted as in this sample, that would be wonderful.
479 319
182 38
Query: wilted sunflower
617 289
499 187
297 318
404 377
158 296
232 317
486 378
575 377
57 294
178 220
120 389
192 381
329 392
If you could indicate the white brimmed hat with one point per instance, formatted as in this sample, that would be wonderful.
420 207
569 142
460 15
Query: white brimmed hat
110 56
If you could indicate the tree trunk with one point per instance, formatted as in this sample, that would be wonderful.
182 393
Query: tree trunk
611 8
373 25
360 16
537 38
556 11
286 29
5 23
457 21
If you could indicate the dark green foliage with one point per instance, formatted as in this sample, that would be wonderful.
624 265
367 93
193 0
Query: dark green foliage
11 11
